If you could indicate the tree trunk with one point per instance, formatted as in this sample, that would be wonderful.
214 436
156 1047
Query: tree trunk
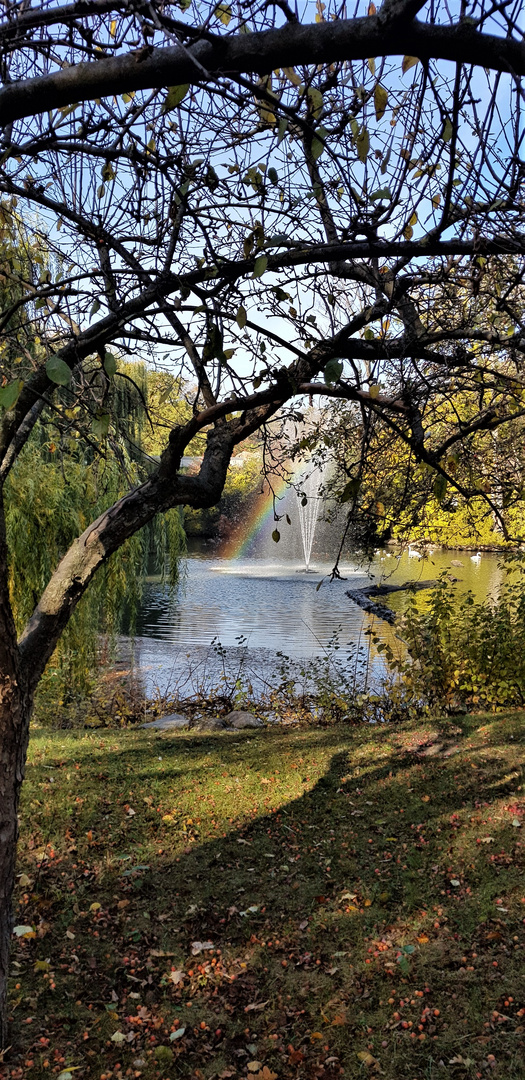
14 729
15 711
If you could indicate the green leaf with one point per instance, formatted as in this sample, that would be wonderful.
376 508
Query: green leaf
100 425
333 371
440 487
448 130
362 143
94 308
175 95
276 536
260 266
350 490
381 193
212 180
110 364
213 346
281 130
318 142
9 394
380 100
273 176
241 317
58 371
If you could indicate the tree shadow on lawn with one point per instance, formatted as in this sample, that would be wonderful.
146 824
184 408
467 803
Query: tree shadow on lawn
290 935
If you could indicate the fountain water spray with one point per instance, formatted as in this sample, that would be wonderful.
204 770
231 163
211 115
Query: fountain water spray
309 513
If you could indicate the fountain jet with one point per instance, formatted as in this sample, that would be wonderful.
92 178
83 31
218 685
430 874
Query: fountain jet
309 513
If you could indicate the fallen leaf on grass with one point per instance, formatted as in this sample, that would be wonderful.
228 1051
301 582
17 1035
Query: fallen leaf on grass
24 880
425 798
24 931
177 1034
459 1060
254 1066
176 977
265 1074
455 881
201 946
367 1059
256 1006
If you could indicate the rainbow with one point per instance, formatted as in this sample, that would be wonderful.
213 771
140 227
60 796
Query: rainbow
235 546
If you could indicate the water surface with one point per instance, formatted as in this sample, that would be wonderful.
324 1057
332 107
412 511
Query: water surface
229 619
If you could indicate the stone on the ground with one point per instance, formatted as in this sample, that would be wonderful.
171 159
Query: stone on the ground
210 723
166 723
239 718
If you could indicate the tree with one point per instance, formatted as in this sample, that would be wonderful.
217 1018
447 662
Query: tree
278 206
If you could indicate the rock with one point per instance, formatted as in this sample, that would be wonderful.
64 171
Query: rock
210 723
241 719
166 723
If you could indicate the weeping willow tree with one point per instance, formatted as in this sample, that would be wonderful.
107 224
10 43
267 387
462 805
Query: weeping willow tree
89 446
57 487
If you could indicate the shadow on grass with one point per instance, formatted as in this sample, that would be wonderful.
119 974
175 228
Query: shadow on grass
296 924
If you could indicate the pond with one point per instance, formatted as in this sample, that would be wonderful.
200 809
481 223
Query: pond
230 618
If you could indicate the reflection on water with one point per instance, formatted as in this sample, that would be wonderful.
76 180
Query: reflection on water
257 607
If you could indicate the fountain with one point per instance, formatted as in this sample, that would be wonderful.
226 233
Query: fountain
309 512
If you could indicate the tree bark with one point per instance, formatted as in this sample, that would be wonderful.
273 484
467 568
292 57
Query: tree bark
15 711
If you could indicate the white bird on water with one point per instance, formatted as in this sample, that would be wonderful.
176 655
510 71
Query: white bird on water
413 554
476 558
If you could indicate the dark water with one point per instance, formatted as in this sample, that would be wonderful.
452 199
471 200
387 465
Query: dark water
258 607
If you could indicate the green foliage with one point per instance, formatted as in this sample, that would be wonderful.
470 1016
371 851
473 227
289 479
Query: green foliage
57 487
462 652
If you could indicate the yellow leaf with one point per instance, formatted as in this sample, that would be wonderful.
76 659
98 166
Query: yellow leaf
95 907
425 798
367 1058
408 232
224 12
362 143
24 880
409 62
264 108
436 199
291 75
372 65
254 1066
413 219
368 903
315 1035
423 939
380 100
113 27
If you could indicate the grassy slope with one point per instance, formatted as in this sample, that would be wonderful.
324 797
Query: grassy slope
310 859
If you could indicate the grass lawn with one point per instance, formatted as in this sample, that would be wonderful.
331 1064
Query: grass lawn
293 902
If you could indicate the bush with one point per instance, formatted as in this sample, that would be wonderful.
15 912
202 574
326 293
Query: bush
461 652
